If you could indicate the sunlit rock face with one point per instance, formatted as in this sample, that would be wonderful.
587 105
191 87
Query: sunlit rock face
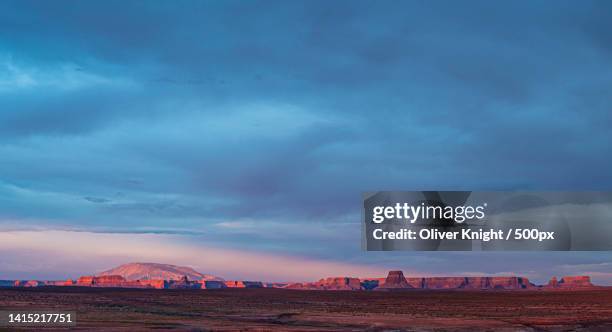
477 283
340 283
395 280
444 282
68 282
109 280
416 282
103 281
331 283
576 281
509 283
183 283
85 281
497 283
159 284
155 271
117 281
234 284
570 282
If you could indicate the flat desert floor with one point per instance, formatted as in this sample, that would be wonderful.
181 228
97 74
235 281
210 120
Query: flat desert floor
291 310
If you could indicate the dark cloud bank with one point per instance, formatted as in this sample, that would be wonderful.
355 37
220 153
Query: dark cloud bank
184 115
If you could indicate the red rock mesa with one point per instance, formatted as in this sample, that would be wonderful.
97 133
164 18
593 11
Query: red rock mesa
332 283
396 280
570 282
161 276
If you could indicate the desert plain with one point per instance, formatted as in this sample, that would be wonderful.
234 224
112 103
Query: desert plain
267 309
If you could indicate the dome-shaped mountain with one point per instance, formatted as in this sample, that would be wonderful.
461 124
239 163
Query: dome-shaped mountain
151 271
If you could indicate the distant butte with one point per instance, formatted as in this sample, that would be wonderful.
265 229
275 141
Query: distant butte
395 280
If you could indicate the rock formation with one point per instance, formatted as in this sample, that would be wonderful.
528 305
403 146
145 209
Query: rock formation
369 284
153 277
155 271
159 284
340 283
576 281
331 283
68 282
570 282
444 283
510 283
243 284
477 283
118 281
253 284
234 284
103 281
394 280
416 282
85 281
183 283
275 284
109 280
212 284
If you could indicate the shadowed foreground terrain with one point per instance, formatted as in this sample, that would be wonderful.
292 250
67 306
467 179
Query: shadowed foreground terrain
291 310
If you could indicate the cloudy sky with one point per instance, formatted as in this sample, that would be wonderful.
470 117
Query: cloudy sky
237 136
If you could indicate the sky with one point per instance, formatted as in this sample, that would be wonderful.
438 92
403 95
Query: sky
237 136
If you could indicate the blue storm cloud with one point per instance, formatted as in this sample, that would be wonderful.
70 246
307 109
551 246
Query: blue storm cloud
189 116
